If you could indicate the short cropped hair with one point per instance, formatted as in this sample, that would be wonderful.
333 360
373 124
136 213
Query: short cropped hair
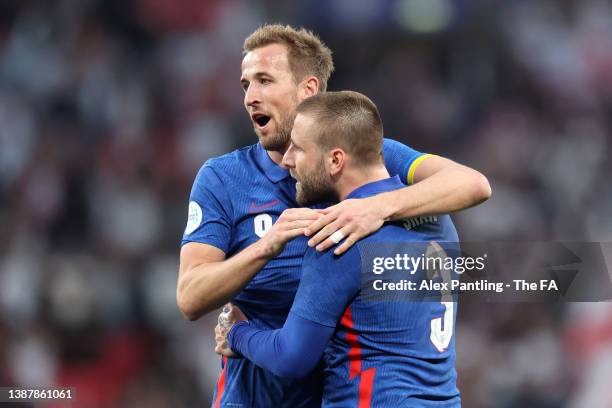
348 120
306 52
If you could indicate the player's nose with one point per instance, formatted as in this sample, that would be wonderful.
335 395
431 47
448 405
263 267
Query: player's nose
252 97
288 159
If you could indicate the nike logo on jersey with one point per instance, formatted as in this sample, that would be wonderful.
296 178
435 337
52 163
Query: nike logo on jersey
254 208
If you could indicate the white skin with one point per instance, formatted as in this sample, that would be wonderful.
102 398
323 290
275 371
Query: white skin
331 173
207 279
271 90
319 174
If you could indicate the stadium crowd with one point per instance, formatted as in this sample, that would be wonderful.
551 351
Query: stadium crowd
108 109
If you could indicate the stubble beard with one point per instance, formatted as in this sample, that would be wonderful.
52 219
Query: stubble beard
279 141
316 188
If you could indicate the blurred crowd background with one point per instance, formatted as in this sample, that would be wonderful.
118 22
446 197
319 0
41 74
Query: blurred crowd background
108 109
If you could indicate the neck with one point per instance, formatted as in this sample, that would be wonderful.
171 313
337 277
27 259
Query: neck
353 178
276 156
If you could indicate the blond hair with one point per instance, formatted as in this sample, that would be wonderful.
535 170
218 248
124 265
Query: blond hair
307 54
348 120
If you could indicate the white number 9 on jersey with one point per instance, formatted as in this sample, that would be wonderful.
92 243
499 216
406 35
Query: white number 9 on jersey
442 331
263 223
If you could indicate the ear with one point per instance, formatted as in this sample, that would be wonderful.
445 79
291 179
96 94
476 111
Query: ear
309 87
337 161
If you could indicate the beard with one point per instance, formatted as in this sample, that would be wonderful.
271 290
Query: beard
316 188
279 142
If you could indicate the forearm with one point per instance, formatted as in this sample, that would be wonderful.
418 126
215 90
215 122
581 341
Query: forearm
292 351
207 280
446 191
262 347
205 287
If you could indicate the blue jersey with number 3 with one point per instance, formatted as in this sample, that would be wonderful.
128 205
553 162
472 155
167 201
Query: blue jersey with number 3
390 348
235 200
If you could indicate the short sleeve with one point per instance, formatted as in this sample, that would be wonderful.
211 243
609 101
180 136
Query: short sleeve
328 285
209 218
401 160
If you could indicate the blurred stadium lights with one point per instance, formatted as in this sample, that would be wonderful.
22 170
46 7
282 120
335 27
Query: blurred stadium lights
108 108
356 16
424 16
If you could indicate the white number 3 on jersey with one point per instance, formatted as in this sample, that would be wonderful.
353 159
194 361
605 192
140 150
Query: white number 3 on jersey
442 330
441 336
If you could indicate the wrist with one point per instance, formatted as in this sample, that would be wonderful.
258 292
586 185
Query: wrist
263 250
231 335
386 206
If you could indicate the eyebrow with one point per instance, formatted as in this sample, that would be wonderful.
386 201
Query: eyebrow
258 74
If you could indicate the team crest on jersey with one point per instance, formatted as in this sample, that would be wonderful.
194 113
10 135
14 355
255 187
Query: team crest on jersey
194 217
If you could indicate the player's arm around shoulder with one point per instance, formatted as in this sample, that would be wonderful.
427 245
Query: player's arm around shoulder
475 186
438 186
207 280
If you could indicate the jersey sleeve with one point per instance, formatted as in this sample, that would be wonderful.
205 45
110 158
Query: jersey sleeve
292 351
209 219
328 285
402 160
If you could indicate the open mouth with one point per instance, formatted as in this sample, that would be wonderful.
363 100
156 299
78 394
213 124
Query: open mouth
261 119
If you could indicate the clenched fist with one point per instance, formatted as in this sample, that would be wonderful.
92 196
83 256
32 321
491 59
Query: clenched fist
231 315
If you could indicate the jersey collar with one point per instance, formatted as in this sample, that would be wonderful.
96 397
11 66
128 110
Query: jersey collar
376 187
273 171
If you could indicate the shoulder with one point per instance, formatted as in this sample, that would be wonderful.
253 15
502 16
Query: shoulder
331 274
389 231
394 146
234 159
327 260
227 165
391 143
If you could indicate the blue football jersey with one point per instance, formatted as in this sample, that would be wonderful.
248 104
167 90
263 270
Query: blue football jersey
235 200
387 350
